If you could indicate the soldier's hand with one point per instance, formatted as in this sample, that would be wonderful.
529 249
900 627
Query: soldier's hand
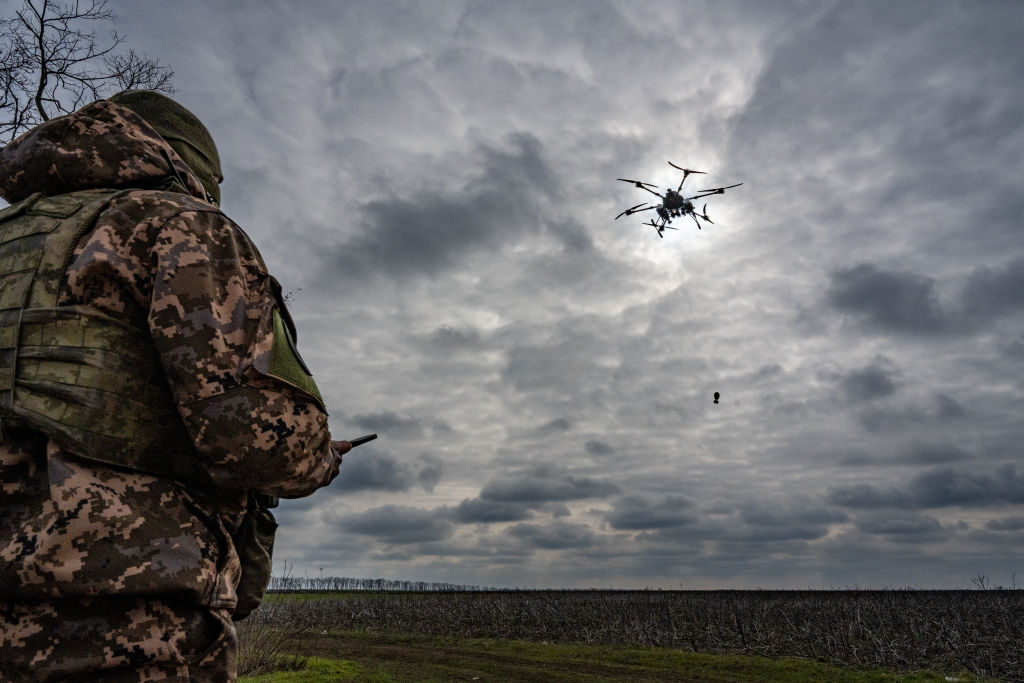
338 449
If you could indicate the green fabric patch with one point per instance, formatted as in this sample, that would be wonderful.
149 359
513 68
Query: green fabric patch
285 362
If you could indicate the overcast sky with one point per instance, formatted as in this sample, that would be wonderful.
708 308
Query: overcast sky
436 181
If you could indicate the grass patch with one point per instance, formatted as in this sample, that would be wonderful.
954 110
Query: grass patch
361 656
317 670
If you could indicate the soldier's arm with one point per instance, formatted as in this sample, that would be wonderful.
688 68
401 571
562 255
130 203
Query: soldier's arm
216 315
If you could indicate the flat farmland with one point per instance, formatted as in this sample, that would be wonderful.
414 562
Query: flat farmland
969 635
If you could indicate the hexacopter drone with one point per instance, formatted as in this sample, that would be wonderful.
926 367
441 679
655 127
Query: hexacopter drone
673 203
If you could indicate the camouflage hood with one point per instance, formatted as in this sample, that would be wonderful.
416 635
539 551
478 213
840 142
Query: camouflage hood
100 145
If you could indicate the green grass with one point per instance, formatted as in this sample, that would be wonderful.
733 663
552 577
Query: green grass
360 656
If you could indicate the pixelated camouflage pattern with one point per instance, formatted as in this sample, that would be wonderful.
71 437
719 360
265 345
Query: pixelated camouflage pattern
115 639
172 264
87 380
100 145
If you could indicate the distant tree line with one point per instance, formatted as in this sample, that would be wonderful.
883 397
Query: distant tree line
345 583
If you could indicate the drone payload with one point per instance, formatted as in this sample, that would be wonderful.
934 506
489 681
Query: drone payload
673 203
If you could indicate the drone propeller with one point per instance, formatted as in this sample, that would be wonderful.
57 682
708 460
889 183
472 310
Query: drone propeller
638 183
719 190
695 220
686 172
642 185
705 216
634 209
657 227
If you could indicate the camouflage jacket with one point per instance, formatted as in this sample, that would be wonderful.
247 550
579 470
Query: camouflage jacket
166 261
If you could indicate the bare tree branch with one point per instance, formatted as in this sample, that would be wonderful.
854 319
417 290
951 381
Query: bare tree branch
51 64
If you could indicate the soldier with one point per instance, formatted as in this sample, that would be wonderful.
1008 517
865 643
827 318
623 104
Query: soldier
152 402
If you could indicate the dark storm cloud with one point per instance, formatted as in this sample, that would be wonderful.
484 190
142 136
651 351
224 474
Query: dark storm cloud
516 497
994 292
888 301
942 410
947 486
559 424
598 448
393 425
932 454
481 511
368 469
447 339
903 527
917 454
640 513
555 536
797 512
572 358
397 524
876 380
544 483
947 408
843 78
1006 524
430 470
902 302
426 233
797 520
864 496
937 488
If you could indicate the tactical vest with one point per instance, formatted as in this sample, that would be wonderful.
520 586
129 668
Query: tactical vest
91 383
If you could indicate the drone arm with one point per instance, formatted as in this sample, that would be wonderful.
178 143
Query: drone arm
633 209
707 193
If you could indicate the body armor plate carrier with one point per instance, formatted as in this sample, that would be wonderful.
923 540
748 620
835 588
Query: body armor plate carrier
90 382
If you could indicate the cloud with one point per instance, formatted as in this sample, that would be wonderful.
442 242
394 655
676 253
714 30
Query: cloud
937 488
598 448
903 527
553 366
991 293
876 380
372 470
639 513
935 453
482 511
555 536
517 496
942 411
543 484
947 486
390 424
398 524
932 454
431 469
947 408
447 339
1006 524
425 233
795 520
888 301
559 424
